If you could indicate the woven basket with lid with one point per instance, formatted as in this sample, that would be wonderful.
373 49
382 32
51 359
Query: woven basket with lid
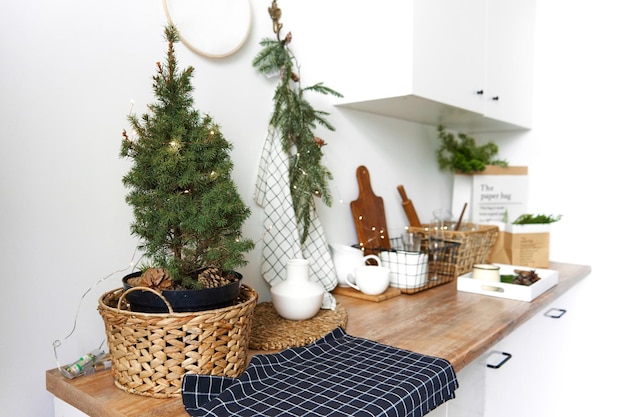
150 352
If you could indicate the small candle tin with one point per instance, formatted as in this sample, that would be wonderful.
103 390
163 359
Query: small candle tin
486 272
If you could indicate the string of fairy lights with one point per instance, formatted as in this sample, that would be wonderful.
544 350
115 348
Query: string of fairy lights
135 261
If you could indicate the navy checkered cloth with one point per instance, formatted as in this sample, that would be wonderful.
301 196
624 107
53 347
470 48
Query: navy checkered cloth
338 375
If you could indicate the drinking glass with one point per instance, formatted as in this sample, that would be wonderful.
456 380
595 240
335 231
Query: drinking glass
411 241
443 214
436 242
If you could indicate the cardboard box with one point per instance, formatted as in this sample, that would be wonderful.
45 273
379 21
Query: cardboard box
523 244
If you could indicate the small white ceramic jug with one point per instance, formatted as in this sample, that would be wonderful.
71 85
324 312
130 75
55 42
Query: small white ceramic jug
297 298
346 259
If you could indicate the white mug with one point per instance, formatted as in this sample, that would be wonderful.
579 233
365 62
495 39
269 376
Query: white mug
370 279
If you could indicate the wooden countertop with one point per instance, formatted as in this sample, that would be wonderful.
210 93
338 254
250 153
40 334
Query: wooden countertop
440 322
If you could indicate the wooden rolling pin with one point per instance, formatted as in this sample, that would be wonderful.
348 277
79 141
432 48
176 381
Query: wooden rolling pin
411 214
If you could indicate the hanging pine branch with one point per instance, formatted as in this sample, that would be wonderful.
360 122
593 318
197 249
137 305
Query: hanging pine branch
295 119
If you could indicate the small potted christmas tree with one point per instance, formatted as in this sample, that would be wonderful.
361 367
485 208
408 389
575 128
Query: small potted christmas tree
187 210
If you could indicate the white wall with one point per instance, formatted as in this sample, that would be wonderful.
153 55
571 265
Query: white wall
70 68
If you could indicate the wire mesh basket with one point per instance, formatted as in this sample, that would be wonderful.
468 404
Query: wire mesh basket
415 271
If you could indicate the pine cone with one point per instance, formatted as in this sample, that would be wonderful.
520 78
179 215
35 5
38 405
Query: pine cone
157 278
212 278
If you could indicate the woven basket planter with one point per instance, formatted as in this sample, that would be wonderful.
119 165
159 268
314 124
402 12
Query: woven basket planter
150 352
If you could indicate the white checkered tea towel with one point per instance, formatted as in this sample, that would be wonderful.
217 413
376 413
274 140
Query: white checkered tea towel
282 238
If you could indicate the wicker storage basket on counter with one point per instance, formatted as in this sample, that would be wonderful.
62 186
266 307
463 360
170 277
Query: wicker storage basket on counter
150 352
475 244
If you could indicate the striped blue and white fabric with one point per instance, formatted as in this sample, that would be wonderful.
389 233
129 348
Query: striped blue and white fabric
337 376
281 241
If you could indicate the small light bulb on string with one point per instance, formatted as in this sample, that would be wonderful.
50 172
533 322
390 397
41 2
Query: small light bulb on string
337 194
175 145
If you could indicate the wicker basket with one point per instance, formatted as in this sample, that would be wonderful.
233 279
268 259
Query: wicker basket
475 244
150 352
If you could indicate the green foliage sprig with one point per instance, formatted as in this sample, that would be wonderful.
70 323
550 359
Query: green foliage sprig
462 154
186 207
537 219
295 119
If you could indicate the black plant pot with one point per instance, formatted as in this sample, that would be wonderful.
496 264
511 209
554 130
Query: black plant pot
182 300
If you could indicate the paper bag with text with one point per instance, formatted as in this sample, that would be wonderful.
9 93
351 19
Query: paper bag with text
496 194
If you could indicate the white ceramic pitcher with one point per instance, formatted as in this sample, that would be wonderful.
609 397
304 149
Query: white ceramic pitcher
346 259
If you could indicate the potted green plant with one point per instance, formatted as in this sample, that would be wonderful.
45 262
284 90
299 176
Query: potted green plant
536 219
187 210
525 241
482 180
461 154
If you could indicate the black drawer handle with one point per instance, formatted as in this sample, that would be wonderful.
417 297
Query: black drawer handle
555 313
506 355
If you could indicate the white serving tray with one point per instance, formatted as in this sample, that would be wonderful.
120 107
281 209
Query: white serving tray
549 278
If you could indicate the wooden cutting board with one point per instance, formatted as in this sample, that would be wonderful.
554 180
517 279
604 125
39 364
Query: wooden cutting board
368 213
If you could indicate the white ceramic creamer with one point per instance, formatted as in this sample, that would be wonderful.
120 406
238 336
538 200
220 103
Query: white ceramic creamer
346 259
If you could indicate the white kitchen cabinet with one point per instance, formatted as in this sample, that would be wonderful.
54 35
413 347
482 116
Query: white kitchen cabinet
63 409
509 70
538 376
536 367
449 52
466 64
469 398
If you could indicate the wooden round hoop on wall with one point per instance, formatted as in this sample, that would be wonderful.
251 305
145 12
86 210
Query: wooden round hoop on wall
211 28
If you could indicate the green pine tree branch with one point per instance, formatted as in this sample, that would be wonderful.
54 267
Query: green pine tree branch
295 119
